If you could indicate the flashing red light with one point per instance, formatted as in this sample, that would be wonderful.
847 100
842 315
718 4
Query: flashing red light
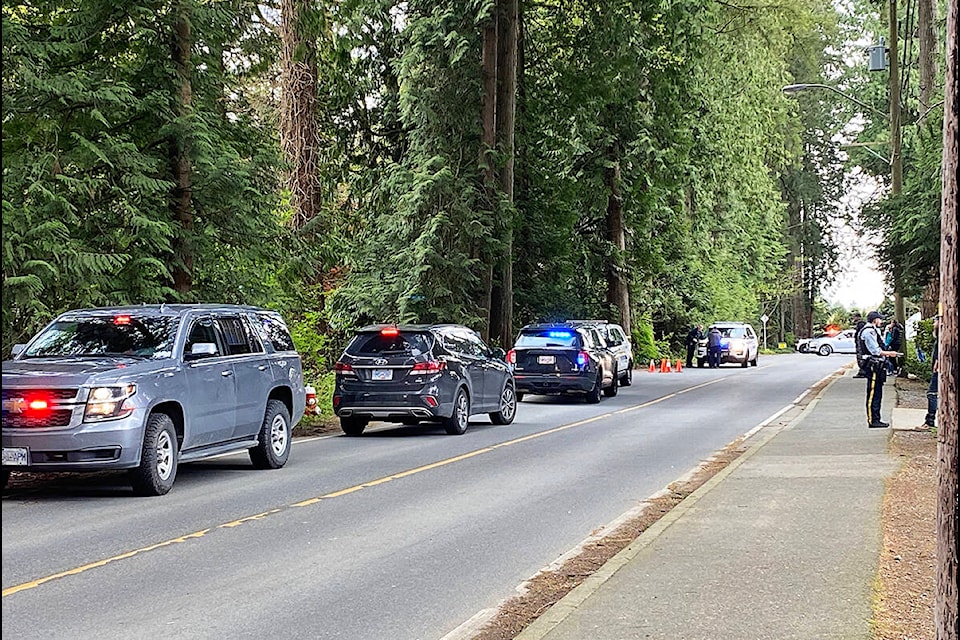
512 356
390 332
39 405
121 320
583 359
429 368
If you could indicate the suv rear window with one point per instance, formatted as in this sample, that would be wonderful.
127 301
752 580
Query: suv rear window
276 332
378 344
549 338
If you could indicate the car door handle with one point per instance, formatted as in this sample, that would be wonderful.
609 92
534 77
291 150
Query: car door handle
226 374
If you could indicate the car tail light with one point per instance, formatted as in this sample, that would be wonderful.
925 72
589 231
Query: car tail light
344 368
583 358
390 332
336 401
119 320
512 356
429 368
430 400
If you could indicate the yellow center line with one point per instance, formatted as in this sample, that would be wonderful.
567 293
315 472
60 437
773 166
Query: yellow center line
342 492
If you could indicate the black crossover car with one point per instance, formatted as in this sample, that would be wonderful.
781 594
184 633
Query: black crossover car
563 358
411 373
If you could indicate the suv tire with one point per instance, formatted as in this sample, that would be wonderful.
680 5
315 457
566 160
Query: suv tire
457 423
353 426
273 443
508 407
593 396
825 350
611 391
627 379
158 458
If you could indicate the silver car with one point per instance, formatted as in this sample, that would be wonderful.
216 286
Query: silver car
843 342
146 388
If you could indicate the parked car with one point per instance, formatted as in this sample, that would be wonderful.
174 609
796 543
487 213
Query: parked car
421 373
616 340
843 342
738 344
147 388
563 358
803 345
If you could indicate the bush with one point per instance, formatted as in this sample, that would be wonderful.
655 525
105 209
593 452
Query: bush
645 348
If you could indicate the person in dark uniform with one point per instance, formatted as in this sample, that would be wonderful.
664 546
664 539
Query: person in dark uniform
930 420
859 324
713 347
693 341
876 361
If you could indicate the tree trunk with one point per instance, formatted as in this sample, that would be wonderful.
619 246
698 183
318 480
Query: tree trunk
926 25
299 137
181 165
508 31
618 290
948 510
930 298
488 121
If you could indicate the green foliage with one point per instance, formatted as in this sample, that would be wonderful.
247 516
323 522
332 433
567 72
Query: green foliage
645 348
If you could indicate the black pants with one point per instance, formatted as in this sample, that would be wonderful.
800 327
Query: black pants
931 416
876 376
690 350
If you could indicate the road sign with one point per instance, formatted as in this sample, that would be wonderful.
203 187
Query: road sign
764 318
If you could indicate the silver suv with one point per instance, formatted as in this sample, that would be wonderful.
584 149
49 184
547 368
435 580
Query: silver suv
738 344
146 388
618 343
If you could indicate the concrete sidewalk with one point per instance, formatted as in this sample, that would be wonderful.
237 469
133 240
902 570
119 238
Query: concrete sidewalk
783 543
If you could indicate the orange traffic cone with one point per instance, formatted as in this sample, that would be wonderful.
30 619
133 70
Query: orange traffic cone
669 369
679 366
652 368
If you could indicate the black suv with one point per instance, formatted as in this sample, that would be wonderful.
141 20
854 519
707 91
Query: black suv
562 358
411 373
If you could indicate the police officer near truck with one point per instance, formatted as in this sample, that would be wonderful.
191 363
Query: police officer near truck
875 361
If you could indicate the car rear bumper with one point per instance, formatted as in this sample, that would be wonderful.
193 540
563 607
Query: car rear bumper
391 407
113 444
553 383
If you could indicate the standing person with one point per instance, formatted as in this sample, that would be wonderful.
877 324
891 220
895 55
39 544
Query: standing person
713 347
894 343
859 324
875 358
693 341
930 420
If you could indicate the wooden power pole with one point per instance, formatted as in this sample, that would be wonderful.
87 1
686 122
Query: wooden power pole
948 510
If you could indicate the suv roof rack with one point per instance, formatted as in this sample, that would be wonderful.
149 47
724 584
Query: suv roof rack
587 321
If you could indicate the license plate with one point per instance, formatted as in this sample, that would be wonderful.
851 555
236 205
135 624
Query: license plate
16 456
546 359
382 374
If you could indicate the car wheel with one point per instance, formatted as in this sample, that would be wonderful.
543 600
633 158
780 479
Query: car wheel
508 407
756 357
593 396
746 360
353 426
627 378
273 443
825 350
802 348
158 457
457 423
611 391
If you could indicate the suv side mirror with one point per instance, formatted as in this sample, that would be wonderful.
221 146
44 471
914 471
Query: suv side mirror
498 353
202 350
18 349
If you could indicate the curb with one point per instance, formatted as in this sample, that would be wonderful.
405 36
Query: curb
561 609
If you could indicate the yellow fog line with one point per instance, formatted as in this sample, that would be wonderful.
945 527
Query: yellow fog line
342 492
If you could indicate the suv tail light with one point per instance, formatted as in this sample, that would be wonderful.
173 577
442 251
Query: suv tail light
344 368
583 358
429 368
512 356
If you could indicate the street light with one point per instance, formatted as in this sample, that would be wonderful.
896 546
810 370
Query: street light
896 160
796 88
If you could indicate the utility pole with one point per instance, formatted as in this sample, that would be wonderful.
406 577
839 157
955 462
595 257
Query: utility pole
896 158
946 617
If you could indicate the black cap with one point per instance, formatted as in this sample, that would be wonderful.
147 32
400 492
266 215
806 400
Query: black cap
875 315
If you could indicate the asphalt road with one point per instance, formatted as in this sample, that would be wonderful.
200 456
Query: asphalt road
403 533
